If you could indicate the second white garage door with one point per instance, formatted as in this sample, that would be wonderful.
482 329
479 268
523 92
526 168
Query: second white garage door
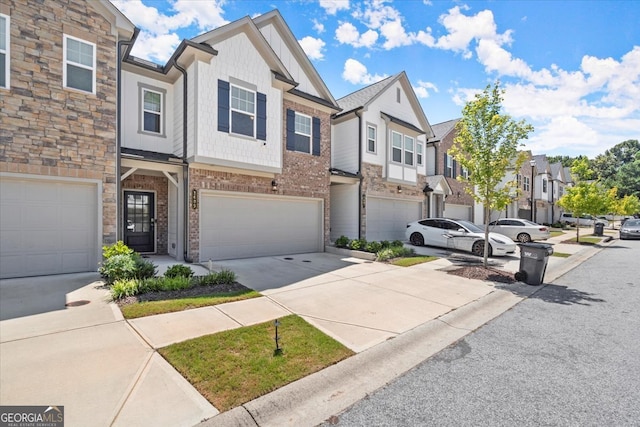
387 218
458 212
247 225
47 227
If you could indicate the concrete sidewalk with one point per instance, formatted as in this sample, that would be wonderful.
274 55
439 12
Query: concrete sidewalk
105 370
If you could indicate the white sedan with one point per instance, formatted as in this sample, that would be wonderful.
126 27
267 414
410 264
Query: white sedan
520 229
457 234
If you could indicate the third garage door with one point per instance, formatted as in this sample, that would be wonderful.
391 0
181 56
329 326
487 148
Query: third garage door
247 225
387 218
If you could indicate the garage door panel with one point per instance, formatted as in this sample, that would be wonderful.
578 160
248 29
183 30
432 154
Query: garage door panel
387 218
47 227
248 226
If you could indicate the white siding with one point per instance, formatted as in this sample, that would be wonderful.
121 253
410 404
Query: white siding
431 160
239 59
344 145
344 211
131 117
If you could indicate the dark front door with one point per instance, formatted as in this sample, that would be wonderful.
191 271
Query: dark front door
139 221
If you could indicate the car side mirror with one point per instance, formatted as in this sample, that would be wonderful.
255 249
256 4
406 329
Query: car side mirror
462 230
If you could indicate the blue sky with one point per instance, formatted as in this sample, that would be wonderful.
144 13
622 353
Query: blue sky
570 68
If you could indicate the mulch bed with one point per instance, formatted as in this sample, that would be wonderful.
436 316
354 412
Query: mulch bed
195 291
481 273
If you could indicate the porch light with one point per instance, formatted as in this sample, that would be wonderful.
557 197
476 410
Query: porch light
274 185
194 199
399 189
426 190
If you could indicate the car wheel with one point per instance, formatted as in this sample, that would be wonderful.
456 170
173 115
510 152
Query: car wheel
417 239
523 238
478 248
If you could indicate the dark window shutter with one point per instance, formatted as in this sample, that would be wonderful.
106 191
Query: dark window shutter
446 170
316 136
291 130
455 166
223 106
261 128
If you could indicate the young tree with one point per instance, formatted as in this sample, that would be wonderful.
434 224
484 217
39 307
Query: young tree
487 145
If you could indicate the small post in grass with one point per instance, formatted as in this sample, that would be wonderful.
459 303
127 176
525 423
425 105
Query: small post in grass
278 350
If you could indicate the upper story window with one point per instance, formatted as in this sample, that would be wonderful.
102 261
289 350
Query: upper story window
544 185
152 114
465 172
4 51
79 64
371 138
303 133
419 155
408 150
398 94
243 111
396 147
525 183
448 166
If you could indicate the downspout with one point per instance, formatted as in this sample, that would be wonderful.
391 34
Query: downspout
185 165
360 193
121 43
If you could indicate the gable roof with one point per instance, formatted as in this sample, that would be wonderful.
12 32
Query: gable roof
542 164
443 129
364 97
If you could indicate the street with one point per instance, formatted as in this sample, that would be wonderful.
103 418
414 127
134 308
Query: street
567 355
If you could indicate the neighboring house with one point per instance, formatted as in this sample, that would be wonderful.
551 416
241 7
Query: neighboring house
557 185
458 203
379 162
58 111
226 149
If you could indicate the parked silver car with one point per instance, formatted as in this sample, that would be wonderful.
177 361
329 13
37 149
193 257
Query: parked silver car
521 230
457 234
630 229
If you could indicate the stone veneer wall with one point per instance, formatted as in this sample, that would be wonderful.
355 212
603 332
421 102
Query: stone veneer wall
303 175
160 186
47 129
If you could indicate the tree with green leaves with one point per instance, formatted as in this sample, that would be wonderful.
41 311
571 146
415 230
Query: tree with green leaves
615 166
487 144
586 196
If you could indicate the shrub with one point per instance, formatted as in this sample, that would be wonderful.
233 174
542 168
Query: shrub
144 267
221 278
373 247
394 252
358 244
150 284
396 243
179 270
385 244
225 277
174 283
342 242
118 248
124 288
118 267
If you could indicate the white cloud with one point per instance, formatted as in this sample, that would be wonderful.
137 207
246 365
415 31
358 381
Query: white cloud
347 33
356 73
312 47
333 6
157 48
423 88
564 132
318 26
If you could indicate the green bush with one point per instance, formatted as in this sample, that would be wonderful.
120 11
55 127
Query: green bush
144 267
118 267
394 252
396 243
118 248
124 288
342 242
358 244
179 270
373 247
221 278
175 283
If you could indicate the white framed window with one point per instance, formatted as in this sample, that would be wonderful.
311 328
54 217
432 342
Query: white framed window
544 185
396 147
465 172
303 132
152 110
448 167
79 64
371 138
419 154
243 111
525 183
4 51
408 150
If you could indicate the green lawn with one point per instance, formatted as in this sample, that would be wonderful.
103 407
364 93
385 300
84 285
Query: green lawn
555 233
149 308
586 240
409 261
233 367
561 255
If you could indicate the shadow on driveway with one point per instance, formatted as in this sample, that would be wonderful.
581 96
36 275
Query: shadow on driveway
556 294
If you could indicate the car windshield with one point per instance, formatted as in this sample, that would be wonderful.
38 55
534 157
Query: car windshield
632 222
527 222
470 226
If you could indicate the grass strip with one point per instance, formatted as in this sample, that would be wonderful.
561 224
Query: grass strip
409 261
236 366
556 233
150 308
561 254
585 240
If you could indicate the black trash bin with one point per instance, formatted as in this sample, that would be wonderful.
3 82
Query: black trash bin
598 229
533 262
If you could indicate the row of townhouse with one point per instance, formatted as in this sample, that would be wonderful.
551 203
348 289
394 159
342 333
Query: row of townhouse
234 148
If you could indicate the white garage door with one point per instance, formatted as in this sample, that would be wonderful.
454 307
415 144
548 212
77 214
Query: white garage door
246 225
457 211
47 227
387 218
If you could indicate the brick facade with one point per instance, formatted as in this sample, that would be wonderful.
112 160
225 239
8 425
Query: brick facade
456 186
46 128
